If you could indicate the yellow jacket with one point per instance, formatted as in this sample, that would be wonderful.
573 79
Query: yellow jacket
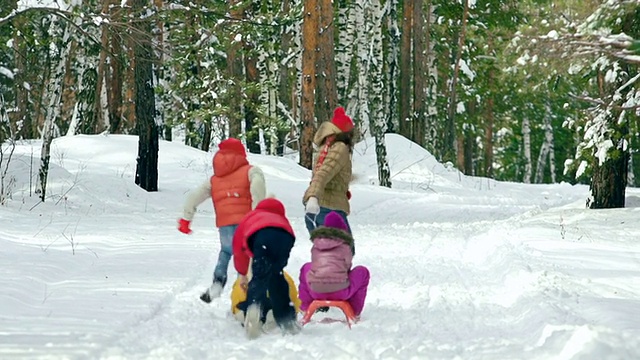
238 294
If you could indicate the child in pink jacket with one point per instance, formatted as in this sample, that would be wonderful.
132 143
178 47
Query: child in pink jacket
329 275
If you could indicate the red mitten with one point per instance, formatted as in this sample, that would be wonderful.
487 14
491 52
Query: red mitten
183 226
348 195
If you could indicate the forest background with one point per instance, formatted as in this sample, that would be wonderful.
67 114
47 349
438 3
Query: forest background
529 91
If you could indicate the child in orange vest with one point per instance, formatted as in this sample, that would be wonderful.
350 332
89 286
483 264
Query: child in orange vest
235 189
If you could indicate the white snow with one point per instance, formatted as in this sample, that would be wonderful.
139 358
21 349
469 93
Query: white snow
464 67
462 267
6 72
553 34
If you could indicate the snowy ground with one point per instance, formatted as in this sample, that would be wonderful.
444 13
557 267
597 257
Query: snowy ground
462 268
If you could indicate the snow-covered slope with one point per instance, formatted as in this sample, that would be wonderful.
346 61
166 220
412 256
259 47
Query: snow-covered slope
462 267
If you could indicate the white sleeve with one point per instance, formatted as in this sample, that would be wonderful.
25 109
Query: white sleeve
257 186
196 197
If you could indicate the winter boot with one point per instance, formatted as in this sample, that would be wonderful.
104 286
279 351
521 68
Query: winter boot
290 327
252 323
214 290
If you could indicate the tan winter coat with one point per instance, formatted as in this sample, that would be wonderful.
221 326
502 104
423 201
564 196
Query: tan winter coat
330 182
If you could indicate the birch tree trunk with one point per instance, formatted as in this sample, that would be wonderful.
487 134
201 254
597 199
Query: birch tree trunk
431 122
101 121
376 70
546 148
310 44
53 95
345 48
363 41
526 139
551 143
392 63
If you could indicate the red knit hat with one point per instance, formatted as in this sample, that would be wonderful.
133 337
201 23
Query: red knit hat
271 205
232 145
341 120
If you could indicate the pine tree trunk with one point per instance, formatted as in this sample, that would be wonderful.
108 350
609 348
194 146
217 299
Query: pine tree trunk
419 73
450 132
287 99
404 120
488 135
253 97
309 43
68 107
129 83
159 76
114 84
235 73
147 129
327 99
20 122
206 137
489 110
609 182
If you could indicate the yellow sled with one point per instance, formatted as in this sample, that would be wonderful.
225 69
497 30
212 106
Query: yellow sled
238 294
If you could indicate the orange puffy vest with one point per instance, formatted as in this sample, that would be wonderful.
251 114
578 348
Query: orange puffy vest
231 190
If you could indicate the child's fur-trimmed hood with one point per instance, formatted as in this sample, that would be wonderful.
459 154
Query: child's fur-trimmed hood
333 233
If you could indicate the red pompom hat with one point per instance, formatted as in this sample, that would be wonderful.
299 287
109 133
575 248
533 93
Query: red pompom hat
232 145
341 120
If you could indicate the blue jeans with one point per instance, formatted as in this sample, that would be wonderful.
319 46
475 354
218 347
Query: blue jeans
313 221
226 251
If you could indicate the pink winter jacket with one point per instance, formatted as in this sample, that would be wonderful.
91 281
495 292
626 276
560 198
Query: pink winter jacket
331 257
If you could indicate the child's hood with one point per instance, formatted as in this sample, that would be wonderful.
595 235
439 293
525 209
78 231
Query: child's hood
325 243
331 233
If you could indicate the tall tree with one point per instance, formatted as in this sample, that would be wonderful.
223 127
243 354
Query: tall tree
450 145
148 137
235 69
52 94
419 75
377 91
404 120
327 92
309 44
393 34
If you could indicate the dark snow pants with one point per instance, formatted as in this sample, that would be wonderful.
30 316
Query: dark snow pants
271 248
